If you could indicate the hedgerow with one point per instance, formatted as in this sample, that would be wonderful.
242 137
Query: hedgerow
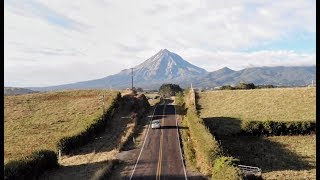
31 166
203 150
206 148
67 144
277 127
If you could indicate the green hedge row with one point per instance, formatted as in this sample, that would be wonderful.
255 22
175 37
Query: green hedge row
188 151
67 144
208 153
31 166
277 127
226 168
206 148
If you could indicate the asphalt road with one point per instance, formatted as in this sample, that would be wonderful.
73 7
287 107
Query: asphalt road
160 156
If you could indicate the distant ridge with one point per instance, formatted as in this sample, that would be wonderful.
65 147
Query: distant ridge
168 67
16 91
278 76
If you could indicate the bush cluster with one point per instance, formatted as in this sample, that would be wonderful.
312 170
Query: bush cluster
179 99
67 144
246 86
167 90
278 127
226 168
265 86
227 87
31 166
239 86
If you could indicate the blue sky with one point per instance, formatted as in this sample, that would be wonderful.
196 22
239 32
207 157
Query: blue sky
39 10
56 42
302 42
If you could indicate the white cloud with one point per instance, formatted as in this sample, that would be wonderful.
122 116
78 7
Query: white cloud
212 61
71 41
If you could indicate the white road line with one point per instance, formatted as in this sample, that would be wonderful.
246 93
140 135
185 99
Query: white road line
143 144
184 169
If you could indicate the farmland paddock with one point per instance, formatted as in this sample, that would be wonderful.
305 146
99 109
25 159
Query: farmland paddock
273 129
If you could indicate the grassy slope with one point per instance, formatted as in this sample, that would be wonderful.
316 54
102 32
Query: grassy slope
37 121
286 104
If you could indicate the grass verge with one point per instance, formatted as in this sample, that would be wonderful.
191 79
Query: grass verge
200 146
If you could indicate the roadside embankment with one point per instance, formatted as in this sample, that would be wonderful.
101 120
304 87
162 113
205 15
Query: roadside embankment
202 151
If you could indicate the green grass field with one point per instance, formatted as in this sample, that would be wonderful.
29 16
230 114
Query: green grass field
37 121
287 104
279 157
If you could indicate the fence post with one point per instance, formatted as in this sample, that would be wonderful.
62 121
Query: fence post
59 154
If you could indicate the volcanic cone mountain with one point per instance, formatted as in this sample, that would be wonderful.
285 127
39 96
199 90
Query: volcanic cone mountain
163 67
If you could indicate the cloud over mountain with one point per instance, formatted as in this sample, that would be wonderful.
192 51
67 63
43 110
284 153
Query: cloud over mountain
56 42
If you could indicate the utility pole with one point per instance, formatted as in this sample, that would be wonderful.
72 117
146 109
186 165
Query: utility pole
131 78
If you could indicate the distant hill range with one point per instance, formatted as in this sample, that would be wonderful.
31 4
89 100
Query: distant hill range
277 76
168 67
16 91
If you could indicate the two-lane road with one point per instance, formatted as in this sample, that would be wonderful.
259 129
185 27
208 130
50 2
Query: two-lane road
160 155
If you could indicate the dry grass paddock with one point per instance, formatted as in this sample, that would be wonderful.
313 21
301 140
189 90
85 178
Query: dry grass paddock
37 121
285 104
279 157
